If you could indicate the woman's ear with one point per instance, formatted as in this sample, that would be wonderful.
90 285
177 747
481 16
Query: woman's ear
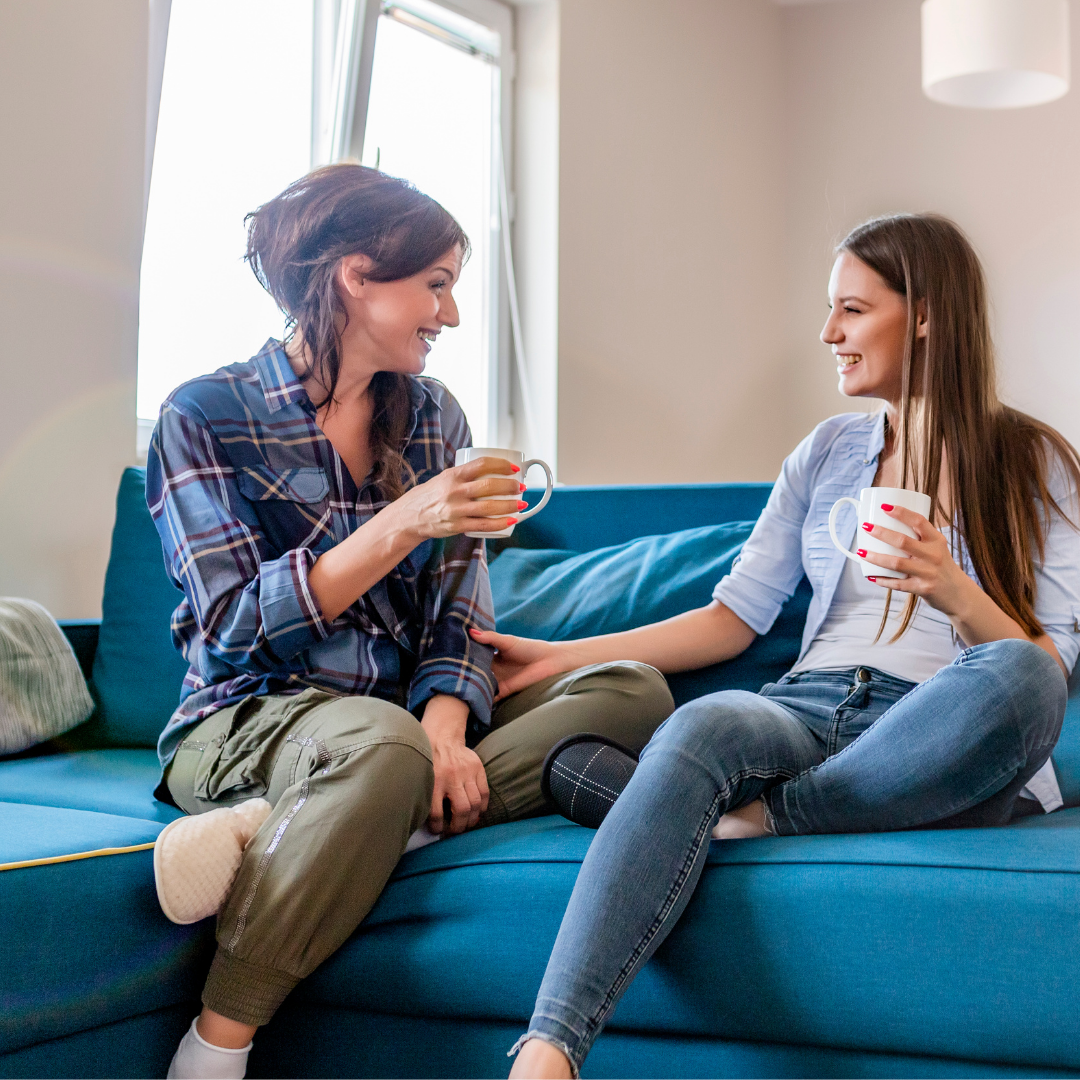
922 324
352 273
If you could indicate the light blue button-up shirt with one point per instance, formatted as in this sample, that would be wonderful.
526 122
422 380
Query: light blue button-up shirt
791 538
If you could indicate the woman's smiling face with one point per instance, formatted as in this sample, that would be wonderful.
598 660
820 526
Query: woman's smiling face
866 329
395 323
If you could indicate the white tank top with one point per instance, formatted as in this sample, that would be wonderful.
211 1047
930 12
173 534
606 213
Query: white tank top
846 638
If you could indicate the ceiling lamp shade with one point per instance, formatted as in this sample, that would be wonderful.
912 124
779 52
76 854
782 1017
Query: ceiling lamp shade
995 54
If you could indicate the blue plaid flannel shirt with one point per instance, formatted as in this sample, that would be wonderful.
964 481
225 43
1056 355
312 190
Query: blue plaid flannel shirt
246 492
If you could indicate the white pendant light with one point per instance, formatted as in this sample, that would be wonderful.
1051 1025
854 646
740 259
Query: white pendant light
995 54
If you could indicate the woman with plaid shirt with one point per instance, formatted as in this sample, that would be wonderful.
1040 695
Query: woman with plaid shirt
336 703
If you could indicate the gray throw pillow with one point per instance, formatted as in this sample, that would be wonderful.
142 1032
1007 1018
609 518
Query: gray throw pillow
42 691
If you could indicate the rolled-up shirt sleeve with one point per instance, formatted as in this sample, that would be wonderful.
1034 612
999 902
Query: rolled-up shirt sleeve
253 611
457 599
769 567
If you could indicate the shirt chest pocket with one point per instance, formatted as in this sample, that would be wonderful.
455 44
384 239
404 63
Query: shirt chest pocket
262 484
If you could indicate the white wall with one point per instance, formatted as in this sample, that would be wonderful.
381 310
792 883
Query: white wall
862 140
72 132
670 236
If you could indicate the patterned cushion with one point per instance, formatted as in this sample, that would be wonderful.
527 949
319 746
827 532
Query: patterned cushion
42 690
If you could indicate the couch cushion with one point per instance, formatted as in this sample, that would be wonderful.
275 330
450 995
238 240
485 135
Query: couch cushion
137 671
378 1044
84 942
939 942
108 781
561 595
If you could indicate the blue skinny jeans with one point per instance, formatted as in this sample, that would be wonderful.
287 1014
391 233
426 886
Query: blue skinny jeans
830 752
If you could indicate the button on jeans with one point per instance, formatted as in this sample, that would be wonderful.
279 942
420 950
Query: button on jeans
830 752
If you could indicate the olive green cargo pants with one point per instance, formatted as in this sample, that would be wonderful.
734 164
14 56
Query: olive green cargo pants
350 780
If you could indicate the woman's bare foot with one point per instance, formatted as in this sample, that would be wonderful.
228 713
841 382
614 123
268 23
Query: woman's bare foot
219 1030
539 1060
742 824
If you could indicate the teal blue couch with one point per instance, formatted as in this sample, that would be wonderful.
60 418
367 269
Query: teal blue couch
937 953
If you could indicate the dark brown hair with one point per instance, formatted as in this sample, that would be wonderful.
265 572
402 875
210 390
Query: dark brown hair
998 460
294 245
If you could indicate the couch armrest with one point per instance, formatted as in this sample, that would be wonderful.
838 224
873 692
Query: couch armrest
83 635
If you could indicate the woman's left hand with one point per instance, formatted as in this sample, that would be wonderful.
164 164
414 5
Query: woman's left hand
931 571
460 780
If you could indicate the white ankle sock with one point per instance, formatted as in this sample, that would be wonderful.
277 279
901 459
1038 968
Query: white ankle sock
196 1059
421 838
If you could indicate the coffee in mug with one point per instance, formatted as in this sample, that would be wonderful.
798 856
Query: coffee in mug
471 453
868 506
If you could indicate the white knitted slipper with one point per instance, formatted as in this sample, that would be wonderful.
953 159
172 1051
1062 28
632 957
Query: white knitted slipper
196 859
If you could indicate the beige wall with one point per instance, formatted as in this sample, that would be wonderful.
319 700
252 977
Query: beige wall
862 140
670 238
72 122
711 154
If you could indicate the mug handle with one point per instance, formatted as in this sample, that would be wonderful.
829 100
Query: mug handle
525 467
832 526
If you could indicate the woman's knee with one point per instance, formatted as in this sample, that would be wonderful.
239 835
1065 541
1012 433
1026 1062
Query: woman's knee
645 686
367 721
1018 653
1021 670
730 718
1023 686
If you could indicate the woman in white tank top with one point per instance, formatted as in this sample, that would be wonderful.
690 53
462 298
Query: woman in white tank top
941 712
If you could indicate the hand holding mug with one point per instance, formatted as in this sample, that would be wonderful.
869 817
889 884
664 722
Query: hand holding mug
899 548
521 466
472 498
930 570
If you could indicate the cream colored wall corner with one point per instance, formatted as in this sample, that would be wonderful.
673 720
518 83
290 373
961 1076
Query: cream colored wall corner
863 140
671 241
72 128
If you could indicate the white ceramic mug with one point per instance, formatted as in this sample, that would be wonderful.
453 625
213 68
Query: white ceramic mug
868 505
471 453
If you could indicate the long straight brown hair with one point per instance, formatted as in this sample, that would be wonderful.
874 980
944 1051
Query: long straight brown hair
998 460
295 243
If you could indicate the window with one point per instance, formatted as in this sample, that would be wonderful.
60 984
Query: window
436 113
235 127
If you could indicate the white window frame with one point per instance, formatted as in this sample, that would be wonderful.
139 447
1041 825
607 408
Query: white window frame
497 16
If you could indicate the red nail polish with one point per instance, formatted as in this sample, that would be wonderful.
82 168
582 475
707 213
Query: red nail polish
521 487
861 553
511 521
515 468
871 579
886 506
867 526
523 505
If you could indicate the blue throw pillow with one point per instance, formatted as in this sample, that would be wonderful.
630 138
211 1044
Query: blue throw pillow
563 595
